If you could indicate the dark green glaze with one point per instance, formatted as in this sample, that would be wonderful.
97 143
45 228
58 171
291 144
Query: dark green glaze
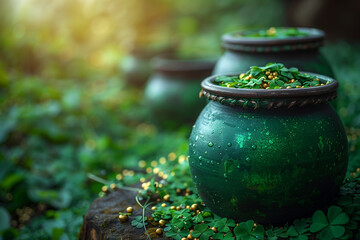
172 93
302 52
271 165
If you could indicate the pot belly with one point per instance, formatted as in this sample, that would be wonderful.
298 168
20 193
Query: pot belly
268 165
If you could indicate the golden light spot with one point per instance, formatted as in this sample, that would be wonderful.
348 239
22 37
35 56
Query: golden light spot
131 173
165 176
154 163
156 170
161 174
104 189
182 158
142 179
162 160
172 156
149 170
142 163
145 185
113 186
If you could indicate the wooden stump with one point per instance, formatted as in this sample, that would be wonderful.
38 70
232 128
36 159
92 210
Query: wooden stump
102 219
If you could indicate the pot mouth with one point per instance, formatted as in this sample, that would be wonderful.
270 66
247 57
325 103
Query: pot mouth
184 66
237 41
270 98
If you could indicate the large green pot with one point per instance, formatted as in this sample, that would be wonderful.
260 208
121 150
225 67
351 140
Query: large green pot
172 92
243 52
268 155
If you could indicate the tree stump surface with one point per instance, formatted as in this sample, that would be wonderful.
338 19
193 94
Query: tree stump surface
101 222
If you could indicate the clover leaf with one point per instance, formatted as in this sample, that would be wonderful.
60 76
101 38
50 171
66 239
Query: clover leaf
247 231
223 224
177 235
138 222
330 226
300 230
161 214
202 231
180 223
197 218
223 236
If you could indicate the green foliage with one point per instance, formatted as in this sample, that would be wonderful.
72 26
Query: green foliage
275 33
331 226
247 231
300 230
138 222
202 231
4 219
223 225
271 76
190 216
222 236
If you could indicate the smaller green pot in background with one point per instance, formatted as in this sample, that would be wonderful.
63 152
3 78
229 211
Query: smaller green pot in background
172 92
243 50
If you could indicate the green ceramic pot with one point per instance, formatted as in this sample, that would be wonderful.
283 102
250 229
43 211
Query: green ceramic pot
243 52
172 92
268 155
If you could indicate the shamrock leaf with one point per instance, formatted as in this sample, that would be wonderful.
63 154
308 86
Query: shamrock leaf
202 231
286 73
247 231
177 235
300 230
330 226
274 233
224 79
223 236
197 218
223 224
161 214
138 222
295 235
180 223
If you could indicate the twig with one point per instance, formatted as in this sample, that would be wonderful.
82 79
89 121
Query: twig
143 212
103 181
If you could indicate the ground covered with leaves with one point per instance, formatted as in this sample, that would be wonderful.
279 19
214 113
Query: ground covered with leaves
172 208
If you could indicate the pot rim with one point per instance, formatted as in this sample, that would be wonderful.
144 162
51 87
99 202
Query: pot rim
208 86
314 35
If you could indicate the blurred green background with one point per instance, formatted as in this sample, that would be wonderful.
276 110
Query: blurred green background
66 110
